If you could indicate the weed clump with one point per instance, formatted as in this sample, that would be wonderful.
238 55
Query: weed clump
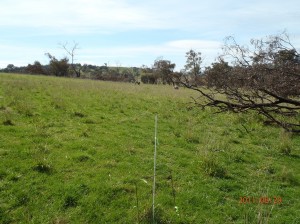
288 178
79 114
42 167
70 201
285 146
8 116
4 216
90 121
74 194
3 174
83 158
22 199
147 217
213 168
238 159
60 220
8 122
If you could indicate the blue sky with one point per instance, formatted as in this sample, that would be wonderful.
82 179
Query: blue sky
135 33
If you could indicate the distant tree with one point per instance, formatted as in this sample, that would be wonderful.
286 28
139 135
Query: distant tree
148 79
163 69
36 68
192 68
10 68
147 76
217 73
193 63
145 69
71 52
58 67
135 72
286 56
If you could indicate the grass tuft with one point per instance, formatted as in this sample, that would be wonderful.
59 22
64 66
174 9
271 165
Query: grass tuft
285 146
79 114
83 158
8 123
147 216
60 220
70 201
213 167
288 177
43 167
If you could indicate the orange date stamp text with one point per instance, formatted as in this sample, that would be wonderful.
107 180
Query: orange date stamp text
276 200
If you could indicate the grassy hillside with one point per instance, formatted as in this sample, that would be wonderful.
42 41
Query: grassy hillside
81 151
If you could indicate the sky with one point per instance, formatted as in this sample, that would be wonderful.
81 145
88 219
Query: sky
135 33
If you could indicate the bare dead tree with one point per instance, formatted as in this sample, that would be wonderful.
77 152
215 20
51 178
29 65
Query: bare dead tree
264 77
71 53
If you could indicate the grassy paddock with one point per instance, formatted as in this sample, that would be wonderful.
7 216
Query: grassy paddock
81 151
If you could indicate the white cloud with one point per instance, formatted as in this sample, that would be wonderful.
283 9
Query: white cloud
77 16
72 15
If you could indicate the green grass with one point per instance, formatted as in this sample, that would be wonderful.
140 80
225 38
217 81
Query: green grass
76 151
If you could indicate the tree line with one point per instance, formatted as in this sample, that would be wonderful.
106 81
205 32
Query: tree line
62 68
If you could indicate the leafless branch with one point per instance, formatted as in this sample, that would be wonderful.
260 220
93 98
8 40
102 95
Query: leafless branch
71 52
